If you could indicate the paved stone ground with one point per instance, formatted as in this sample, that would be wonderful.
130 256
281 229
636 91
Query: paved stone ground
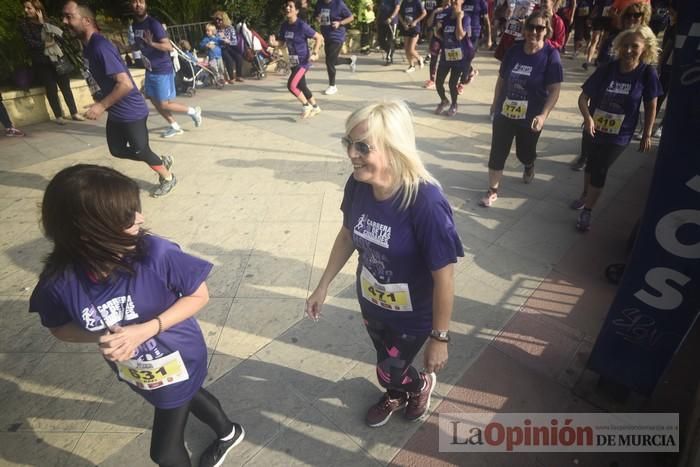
259 195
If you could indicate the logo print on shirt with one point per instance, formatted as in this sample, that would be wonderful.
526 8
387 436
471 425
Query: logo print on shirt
111 311
616 87
289 35
373 231
519 69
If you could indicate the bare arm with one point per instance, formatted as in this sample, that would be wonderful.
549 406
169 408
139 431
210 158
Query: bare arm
649 118
71 332
496 94
588 123
460 32
163 45
552 98
318 42
122 87
436 354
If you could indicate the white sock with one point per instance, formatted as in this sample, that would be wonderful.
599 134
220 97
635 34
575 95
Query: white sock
191 111
230 436
175 126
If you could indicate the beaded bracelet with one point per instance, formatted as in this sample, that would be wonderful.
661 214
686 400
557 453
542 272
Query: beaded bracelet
160 325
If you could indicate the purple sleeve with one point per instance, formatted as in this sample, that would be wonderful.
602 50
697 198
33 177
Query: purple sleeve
112 60
157 30
183 273
484 8
346 205
554 72
51 309
308 31
344 10
652 85
434 228
504 70
594 83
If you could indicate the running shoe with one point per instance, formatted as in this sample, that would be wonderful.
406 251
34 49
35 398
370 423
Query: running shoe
215 454
330 90
380 413
419 402
429 84
239 80
14 132
528 173
170 132
197 117
410 69
452 111
168 162
441 107
353 63
578 164
473 73
583 224
460 89
60 121
577 204
488 199
585 65
77 117
658 132
306 111
315 110
421 62
165 187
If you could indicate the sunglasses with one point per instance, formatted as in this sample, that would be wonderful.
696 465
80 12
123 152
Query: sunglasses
636 15
360 147
218 19
535 27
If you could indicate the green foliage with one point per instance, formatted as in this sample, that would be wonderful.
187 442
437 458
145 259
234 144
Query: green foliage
12 52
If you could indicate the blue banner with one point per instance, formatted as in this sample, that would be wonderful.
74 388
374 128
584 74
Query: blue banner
659 296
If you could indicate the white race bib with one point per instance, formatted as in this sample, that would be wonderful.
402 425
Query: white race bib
582 11
514 109
393 297
607 11
325 17
453 55
294 60
154 374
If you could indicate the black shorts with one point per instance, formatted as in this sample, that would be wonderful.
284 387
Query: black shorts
602 23
582 29
409 32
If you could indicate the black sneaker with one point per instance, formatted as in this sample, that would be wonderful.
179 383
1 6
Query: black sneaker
165 187
579 163
215 454
529 173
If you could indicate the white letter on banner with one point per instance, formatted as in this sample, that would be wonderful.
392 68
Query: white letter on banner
669 297
670 224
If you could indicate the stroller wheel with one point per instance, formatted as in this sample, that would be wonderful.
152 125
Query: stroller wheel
190 93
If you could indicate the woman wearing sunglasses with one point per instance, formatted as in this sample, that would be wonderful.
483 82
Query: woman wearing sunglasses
526 91
455 58
108 282
397 218
610 103
634 16
231 47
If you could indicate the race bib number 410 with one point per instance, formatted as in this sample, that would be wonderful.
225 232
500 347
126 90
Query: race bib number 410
607 122
394 297
154 374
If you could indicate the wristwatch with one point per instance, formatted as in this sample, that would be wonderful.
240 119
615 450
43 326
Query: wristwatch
442 336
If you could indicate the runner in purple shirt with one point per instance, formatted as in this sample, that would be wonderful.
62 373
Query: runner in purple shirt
154 44
411 14
526 91
332 16
397 218
135 295
435 46
610 103
478 11
115 92
387 19
295 33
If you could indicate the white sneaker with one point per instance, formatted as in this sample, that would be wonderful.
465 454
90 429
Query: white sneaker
330 90
353 63
421 63
658 131
410 69
197 116
170 132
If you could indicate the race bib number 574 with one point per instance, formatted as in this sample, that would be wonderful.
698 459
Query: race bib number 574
394 297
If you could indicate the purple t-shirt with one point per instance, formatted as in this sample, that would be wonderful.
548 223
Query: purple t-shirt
450 43
102 62
475 9
430 5
525 80
410 10
156 61
295 37
336 10
397 252
386 8
165 274
615 98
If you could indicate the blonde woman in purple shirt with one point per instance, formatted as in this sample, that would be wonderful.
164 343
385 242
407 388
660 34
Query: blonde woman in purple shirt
397 218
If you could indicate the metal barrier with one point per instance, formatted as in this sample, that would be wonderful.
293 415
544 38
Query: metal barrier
191 32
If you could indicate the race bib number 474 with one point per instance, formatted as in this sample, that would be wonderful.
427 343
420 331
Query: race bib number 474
394 297
514 109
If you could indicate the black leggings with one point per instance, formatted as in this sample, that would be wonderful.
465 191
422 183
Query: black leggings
52 81
455 74
395 353
332 50
136 135
504 130
366 33
386 39
297 82
4 116
599 158
232 56
168 438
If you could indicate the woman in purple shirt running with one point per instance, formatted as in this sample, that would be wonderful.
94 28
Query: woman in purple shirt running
108 282
397 218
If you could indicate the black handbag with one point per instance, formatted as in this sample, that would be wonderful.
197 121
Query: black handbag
63 66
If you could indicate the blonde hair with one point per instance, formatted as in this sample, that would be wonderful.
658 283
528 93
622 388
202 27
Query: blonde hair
390 128
639 7
209 27
225 20
651 51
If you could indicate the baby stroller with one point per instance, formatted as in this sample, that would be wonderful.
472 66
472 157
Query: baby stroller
190 74
259 53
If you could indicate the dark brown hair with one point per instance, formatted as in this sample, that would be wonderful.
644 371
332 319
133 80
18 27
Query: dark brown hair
37 6
85 212
547 21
